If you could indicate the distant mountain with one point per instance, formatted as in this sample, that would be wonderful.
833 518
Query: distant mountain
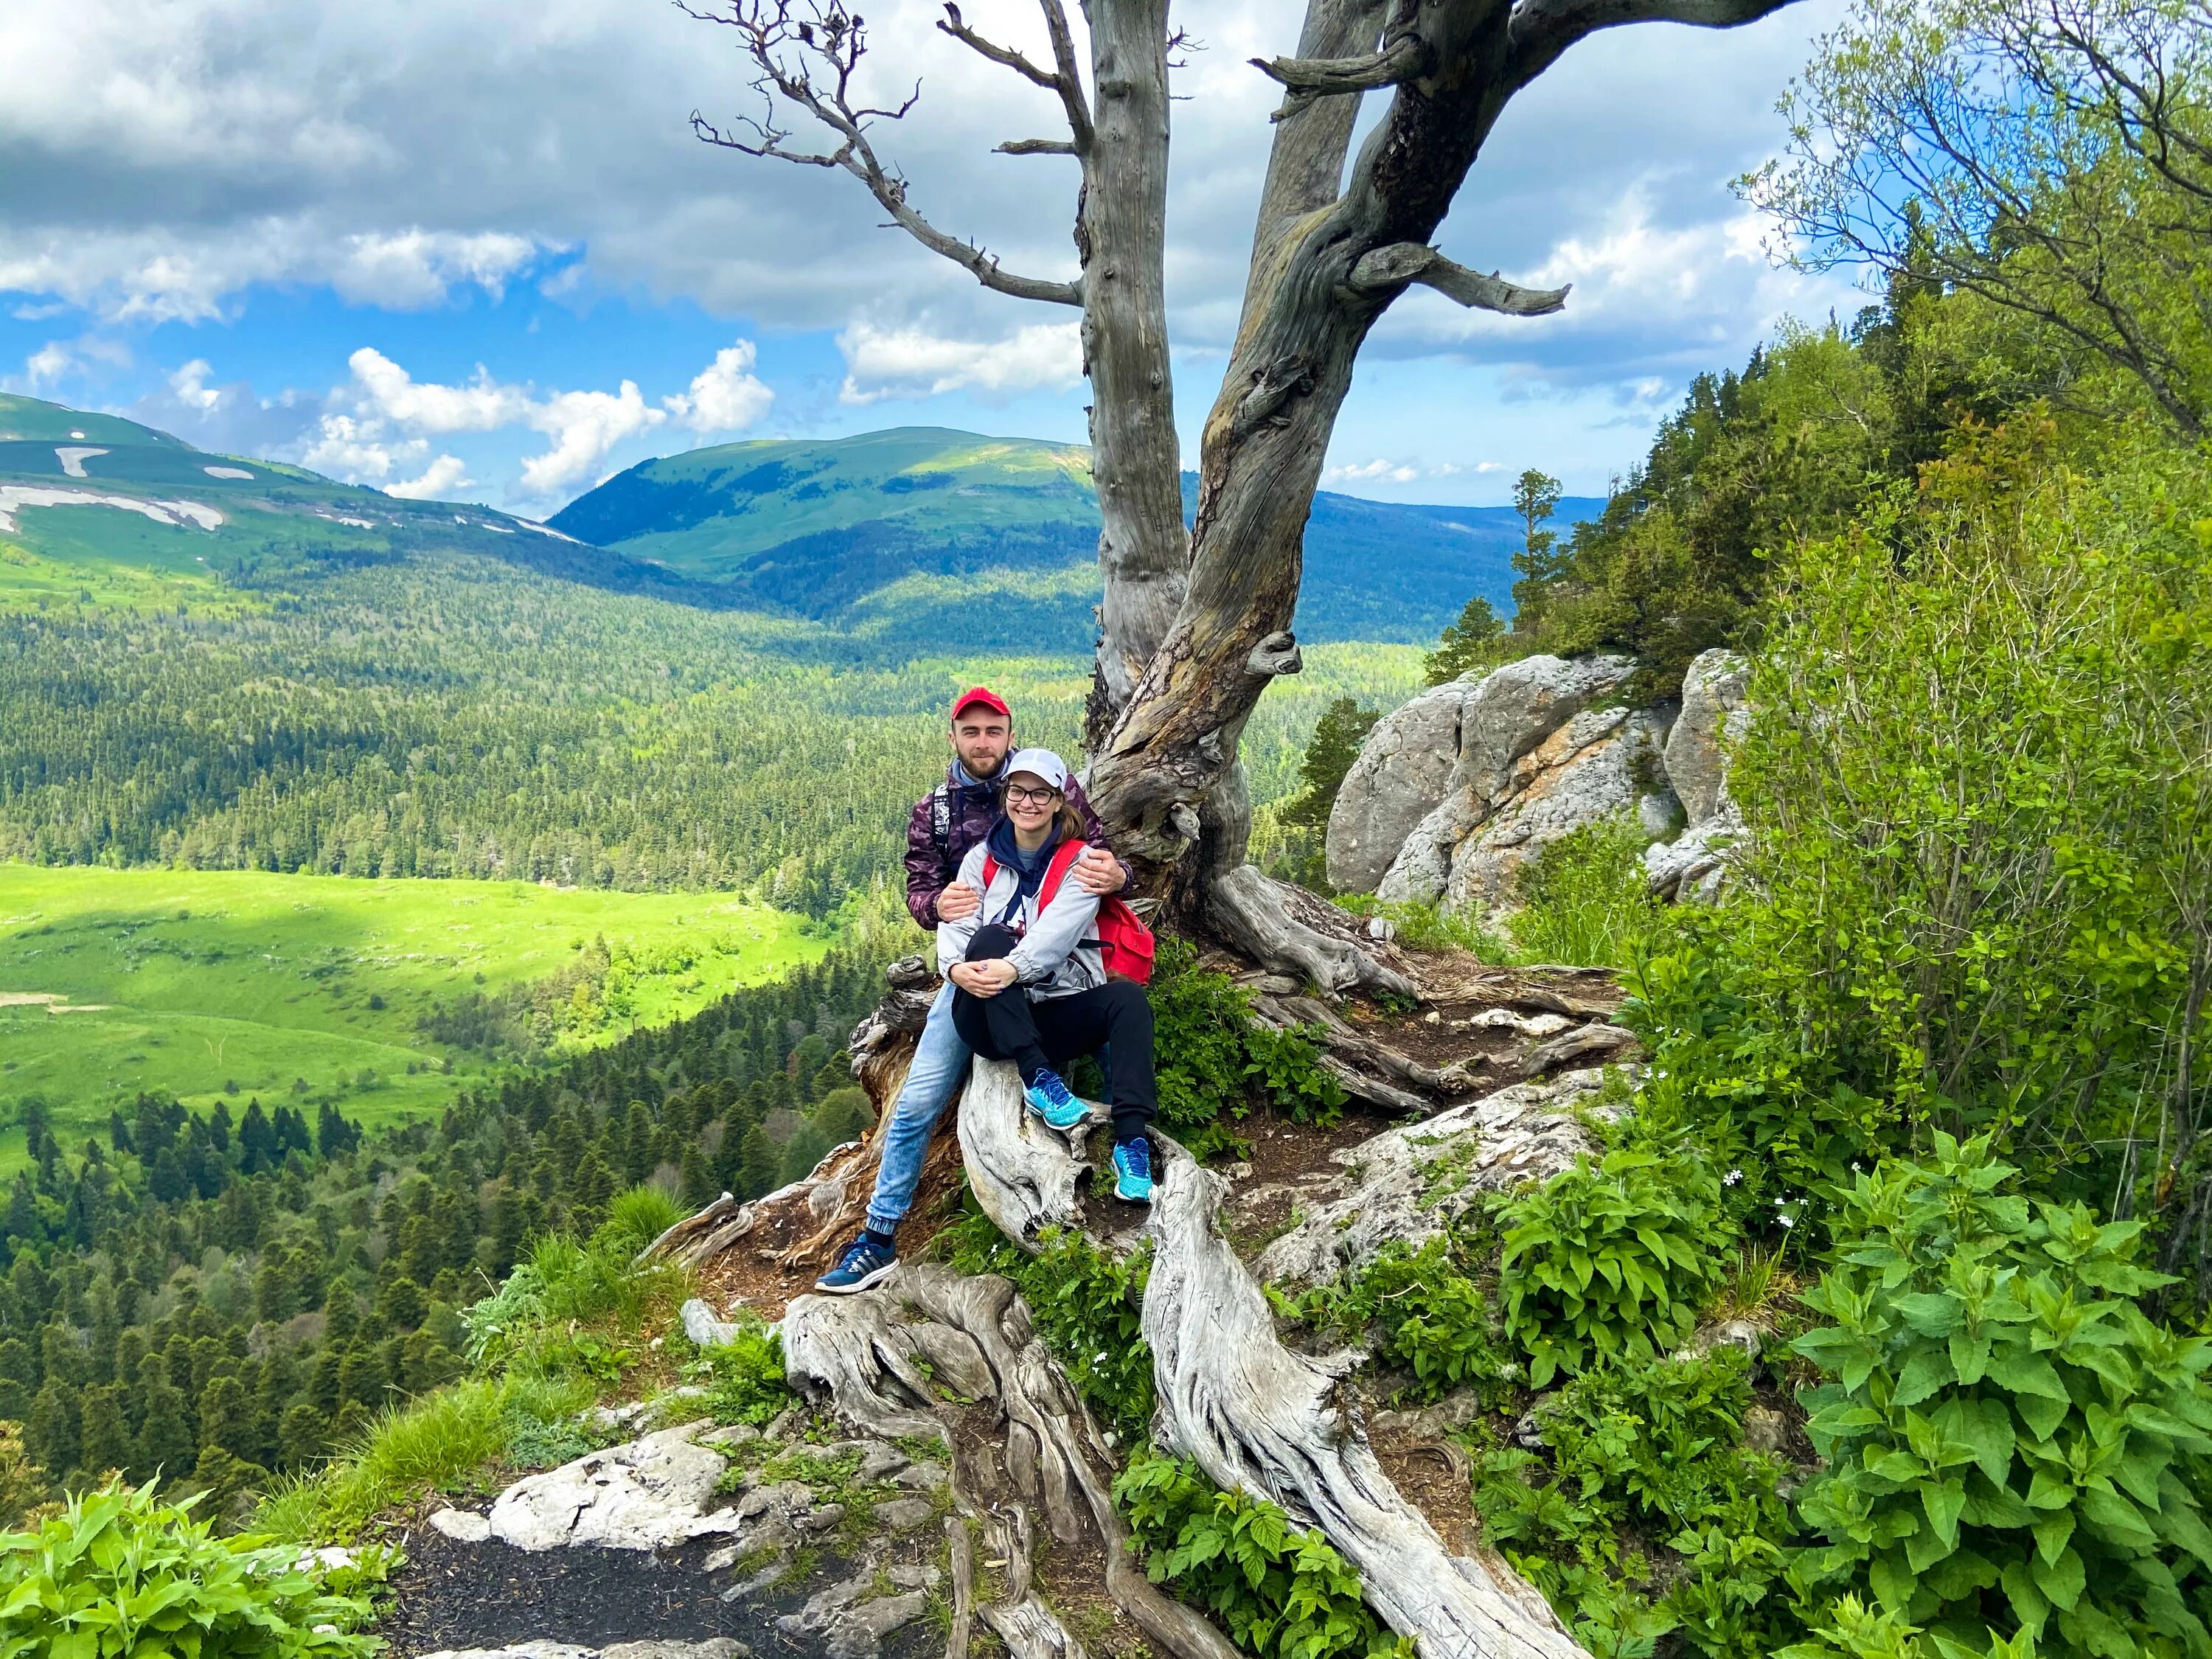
96 494
926 528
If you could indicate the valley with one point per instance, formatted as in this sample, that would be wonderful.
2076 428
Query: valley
220 987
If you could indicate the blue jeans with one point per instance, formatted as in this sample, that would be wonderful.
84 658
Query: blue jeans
940 1061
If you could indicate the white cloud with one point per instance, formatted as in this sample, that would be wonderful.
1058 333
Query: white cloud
416 268
47 365
913 363
189 384
584 426
442 478
1375 472
725 395
386 391
358 451
383 420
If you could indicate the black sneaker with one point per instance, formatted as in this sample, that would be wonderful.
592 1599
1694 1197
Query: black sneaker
864 1265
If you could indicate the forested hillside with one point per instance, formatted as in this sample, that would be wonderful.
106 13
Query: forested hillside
234 1293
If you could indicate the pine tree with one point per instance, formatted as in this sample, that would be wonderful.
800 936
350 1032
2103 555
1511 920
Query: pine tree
106 1437
165 1440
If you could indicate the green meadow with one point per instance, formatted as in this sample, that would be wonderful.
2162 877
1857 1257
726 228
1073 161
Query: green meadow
221 985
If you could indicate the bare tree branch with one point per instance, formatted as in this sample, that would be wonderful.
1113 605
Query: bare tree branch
1035 147
1063 79
1394 266
1309 78
1543 29
807 52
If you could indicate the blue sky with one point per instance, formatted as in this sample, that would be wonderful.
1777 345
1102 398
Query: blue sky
452 246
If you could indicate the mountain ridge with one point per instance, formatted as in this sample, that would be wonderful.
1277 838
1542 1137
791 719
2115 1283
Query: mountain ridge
823 528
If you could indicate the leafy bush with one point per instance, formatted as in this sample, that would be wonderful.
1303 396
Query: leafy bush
1433 1317
1585 901
745 1375
118 1576
1278 1592
1609 1261
2010 1443
1855 1631
1214 1062
1085 1305
1654 1452
1979 900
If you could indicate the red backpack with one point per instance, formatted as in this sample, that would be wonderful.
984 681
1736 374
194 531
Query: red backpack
1125 943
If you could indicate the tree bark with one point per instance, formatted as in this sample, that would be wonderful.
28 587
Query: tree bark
1143 546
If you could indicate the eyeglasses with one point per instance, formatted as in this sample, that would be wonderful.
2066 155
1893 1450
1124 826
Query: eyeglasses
1018 796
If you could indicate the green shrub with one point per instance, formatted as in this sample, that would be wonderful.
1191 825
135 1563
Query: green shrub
1213 1062
1425 927
1432 1314
1976 901
1085 1305
118 1576
2010 1443
448 1442
744 1377
1585 900
1855 1631
1278 1591
1656 1452
1609 1261
636 1217
533 1321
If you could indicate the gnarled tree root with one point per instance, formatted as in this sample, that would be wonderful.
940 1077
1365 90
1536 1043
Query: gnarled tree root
891 1357
1249 1411
1288 930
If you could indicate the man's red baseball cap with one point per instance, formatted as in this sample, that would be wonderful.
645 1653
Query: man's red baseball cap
982 694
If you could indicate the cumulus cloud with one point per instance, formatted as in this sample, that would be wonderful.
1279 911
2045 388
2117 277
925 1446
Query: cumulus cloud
913 363
382 421
441 479
47 365
190 385
583 425
725 395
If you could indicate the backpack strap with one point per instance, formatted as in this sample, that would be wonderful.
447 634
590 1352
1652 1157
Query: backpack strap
1063 860
940 818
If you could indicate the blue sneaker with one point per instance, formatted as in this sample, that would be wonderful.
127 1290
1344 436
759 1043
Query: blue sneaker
866 1263
1132 1170
1048 1098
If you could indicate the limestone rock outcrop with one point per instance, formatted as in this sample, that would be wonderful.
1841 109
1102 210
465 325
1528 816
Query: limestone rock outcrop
1456 793
1714 715
644 1495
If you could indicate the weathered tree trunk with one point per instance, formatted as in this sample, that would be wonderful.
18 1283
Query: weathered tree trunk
1143 546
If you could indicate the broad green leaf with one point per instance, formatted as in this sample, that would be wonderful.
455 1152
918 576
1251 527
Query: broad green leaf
2060 1580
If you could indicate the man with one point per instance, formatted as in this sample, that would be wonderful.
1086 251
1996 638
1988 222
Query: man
950 819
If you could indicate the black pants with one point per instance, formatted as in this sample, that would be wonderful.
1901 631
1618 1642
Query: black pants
1048 1034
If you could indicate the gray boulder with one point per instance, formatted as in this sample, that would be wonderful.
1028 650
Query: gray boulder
1591 769
1404 770
1511 714
1697 764
645 1495
1692 867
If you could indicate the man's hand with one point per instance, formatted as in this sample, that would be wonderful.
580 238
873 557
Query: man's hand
983 979
1097 872
960 901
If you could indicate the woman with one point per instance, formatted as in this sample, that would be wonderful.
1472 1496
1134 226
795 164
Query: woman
1029 982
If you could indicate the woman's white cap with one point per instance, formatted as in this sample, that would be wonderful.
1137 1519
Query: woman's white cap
1040 763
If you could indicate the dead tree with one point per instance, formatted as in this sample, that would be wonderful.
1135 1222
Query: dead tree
1195 625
